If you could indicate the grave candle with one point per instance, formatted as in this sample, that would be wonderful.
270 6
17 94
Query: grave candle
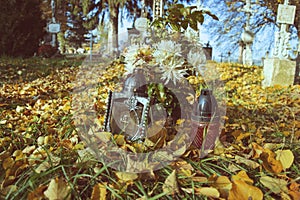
205 122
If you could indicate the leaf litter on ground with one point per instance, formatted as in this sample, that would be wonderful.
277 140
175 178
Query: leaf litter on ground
41 152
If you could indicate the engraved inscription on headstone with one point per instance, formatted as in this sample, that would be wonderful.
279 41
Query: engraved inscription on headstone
280 70
53 28
286 14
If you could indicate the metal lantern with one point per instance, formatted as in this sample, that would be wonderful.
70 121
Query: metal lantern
127 111
205 122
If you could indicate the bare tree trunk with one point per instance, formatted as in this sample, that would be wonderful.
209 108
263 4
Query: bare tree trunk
113 39
297 72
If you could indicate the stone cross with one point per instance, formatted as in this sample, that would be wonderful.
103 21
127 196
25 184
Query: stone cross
53 42
247 35
285 16
158 8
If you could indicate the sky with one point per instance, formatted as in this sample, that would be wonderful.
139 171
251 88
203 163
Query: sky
263 41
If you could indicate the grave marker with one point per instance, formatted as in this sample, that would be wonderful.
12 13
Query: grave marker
280 70
247 35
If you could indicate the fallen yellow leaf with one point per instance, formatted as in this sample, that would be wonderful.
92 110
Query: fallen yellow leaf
223 184
126 176
243 191
248 162
208 191
99 192
170 185
270 163
242 175
58 190
274 184
286 157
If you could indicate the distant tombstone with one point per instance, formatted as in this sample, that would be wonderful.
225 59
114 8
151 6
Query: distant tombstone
280 70
133 34
247 38
247 35
141 24
208 51
241 51
138 34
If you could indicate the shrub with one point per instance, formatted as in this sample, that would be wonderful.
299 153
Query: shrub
46 50
21 27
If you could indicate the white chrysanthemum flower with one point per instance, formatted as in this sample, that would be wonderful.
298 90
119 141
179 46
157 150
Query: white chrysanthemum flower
165 49
131 58
197 59
172 70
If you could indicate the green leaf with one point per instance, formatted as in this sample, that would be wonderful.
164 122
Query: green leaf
212 15
194 25
175 26
185 24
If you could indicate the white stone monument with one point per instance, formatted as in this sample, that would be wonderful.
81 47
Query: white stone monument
142 25
158 8
280 70
247 35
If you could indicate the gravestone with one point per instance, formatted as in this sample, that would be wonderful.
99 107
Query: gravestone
241 51
208 51
247 35
138 34
280 70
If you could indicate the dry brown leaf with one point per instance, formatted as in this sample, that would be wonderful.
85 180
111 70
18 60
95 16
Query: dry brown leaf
223 184
257 150
295 195
37 194
285 196
294 186
99 192
157 135
48 163
200 179
119 139
102 136
270 163
8 163
183 168
170 185
243 191
58 189
248 162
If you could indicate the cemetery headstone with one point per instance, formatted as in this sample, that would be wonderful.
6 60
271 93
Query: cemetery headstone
208 51
241 51
247 36
280 70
